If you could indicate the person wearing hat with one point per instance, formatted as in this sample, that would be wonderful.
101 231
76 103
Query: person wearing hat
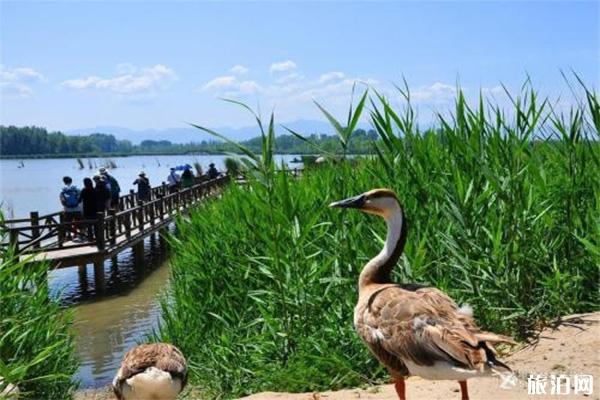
212 171
143 184
173 181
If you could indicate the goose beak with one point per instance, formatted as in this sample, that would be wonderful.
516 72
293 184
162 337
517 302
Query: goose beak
352 202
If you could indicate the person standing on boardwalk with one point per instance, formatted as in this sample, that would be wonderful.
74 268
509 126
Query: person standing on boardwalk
102 194
113 187
173 181
212 171
70 199
187 178
143 185
90 205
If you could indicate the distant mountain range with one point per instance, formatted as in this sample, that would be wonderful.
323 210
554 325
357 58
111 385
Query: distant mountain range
190 134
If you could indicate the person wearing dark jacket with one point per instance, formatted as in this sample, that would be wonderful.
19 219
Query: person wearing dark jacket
113 188
143 185
102 193
187 178
212 171
90 205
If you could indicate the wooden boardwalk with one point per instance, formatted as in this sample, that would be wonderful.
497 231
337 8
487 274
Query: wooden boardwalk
45 237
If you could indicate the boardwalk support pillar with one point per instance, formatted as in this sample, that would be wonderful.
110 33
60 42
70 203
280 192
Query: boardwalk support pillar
138 257
100 230
99 280
82 269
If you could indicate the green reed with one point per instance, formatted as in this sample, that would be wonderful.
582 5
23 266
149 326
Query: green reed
37 351
503 210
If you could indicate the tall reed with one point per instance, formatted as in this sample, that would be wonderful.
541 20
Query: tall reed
503 213
37 351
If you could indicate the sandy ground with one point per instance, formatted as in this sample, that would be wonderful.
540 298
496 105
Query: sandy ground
571 347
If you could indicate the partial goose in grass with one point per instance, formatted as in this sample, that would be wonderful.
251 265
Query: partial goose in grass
155 371
413 329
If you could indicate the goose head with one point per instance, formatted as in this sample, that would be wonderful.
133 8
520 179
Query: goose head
382 202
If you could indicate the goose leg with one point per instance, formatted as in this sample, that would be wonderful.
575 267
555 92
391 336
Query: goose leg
463 390
400 388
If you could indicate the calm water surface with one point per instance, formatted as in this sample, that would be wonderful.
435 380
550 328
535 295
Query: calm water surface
36 185
108 323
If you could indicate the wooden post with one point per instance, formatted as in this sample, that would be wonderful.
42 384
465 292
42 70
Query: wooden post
161 207
127 223
140 215
61 229
151 212
14 240
35 230
99 280
100 230
132 198
112 226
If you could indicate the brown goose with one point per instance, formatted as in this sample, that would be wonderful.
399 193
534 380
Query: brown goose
413 329
155 371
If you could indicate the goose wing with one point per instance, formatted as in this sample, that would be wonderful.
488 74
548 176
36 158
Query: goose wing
163 356
424 326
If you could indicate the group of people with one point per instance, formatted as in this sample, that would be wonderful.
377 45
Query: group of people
186 179
99 194
102 192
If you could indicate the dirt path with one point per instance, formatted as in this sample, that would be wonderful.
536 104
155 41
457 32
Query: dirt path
571 348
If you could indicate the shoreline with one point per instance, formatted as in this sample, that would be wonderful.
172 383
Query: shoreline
109 155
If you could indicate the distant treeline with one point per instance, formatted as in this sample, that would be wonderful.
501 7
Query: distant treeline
38 142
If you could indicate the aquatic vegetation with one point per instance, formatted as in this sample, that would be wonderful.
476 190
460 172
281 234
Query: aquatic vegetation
503 212
36 343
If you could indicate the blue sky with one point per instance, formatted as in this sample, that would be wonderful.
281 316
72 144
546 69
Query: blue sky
68 65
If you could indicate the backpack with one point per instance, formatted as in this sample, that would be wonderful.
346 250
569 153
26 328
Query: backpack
71 196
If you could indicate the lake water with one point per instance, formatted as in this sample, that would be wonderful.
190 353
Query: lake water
36 185
108 323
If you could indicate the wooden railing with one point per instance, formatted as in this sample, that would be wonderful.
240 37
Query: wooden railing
130 220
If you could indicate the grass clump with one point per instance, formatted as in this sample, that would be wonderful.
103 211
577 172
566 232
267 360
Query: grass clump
37 351
503 210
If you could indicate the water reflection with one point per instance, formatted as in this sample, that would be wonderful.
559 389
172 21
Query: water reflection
109 323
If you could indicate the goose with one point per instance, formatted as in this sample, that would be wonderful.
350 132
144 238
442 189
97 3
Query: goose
413 329
154 371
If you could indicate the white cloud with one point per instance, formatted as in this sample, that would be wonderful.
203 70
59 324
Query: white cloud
289 78
131 81
238 70
283 66
21 74
15 82
492 90
249 87
435 93
331 76
221 82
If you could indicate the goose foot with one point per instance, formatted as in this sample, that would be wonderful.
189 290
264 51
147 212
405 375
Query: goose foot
463 390
400 388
